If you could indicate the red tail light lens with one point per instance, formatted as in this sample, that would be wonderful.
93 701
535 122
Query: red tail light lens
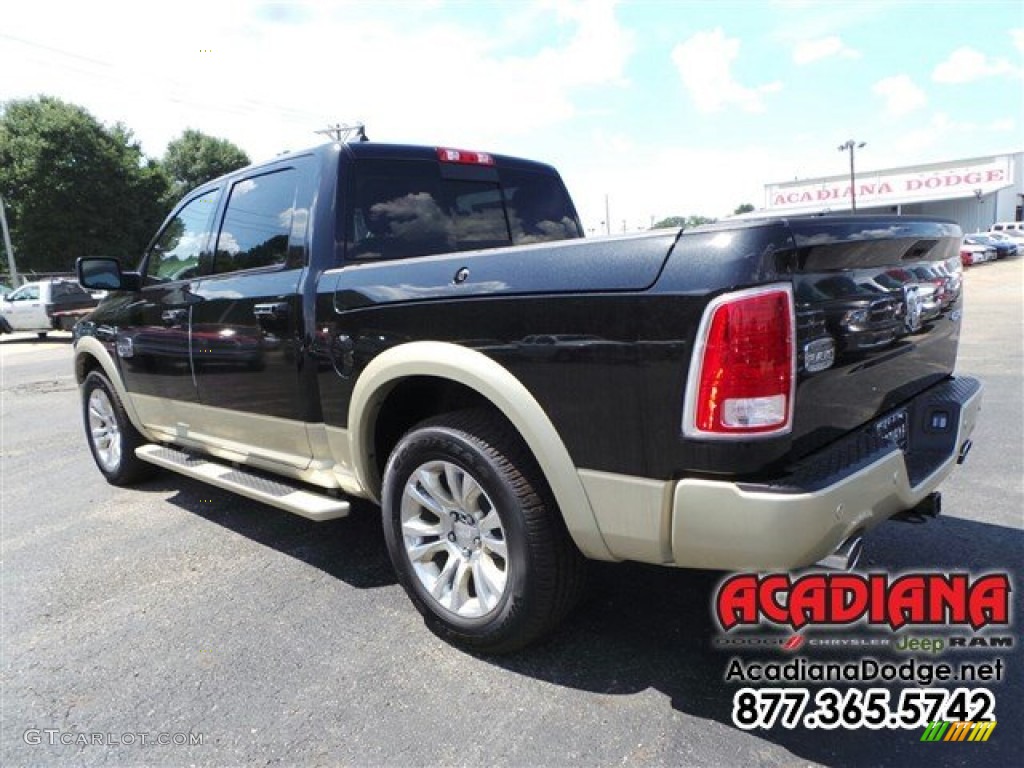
743 373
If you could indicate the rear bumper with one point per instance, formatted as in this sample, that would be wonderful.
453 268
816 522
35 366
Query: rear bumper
797 519
847 489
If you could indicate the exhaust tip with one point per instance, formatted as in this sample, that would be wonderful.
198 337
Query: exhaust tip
846 556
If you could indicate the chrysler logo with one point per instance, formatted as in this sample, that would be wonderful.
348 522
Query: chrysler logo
912 307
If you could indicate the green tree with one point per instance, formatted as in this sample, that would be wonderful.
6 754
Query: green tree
744 208
194 158
684 221
74 187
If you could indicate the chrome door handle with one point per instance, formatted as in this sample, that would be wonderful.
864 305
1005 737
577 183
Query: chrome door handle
277 310
174 316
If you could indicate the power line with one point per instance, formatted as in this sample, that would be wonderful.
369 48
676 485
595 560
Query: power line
246 106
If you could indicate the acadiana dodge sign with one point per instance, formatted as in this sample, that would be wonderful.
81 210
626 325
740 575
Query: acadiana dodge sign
902 185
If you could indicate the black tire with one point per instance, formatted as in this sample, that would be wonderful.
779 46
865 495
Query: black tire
113 449
543 572
41 335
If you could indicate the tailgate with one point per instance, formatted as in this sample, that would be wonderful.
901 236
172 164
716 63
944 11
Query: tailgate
887 292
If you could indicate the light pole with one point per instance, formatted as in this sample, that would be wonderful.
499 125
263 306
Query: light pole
850 144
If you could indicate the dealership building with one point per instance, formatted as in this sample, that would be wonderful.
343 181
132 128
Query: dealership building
976 192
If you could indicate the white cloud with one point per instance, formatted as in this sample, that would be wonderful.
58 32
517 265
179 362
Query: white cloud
932 138
704 62
1017 35
901 95
807 51
411 72
965 65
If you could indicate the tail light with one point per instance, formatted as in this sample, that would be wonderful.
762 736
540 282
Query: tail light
743 372
463 157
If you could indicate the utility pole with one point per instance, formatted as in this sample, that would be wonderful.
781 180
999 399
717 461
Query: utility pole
849 146
342 132
607 216
11 266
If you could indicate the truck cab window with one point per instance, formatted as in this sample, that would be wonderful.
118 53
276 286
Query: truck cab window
258 222
28 293
408 208
176 253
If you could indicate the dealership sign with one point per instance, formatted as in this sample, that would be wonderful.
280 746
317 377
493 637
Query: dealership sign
906 185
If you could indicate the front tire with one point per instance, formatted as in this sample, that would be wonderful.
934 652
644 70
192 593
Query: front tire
111 435
475 536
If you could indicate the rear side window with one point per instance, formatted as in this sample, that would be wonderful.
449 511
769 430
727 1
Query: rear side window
406 208
257 222
67 292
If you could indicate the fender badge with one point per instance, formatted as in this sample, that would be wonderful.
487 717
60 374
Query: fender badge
819 355
125 347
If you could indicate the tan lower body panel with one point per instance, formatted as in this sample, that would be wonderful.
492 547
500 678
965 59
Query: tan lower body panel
282 441
634 514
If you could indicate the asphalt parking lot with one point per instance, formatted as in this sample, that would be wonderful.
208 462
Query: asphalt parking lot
175 608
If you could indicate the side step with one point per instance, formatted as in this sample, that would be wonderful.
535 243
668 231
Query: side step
276 492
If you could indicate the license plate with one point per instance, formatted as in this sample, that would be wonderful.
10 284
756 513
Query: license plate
895 427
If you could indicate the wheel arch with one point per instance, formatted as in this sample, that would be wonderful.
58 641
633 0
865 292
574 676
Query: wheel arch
92 355
444 365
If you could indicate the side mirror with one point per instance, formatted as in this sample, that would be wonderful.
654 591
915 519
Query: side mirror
104 274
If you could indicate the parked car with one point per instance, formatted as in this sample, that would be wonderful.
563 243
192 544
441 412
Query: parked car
44 306
1003 248
1016 235
971 254
1005 237
1010 227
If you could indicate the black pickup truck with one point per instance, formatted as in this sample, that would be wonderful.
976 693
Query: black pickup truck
426 328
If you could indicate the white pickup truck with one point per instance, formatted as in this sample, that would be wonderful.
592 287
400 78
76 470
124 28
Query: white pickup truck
44 306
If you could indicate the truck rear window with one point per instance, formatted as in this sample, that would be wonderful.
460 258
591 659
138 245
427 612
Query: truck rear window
403 208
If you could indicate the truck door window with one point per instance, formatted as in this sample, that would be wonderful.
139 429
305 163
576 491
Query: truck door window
259 221
28 293
176 253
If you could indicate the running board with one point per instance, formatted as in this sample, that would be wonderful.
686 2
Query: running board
243 481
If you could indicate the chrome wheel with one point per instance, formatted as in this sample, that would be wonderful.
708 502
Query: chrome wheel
104 431
454 539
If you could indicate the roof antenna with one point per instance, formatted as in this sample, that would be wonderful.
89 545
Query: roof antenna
343 133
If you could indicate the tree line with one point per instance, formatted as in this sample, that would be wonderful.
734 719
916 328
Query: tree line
73 186
688 222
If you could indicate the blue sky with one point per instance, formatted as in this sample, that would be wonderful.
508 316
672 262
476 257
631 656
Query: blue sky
666 107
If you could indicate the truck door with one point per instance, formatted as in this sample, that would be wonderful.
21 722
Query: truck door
153 341
247 324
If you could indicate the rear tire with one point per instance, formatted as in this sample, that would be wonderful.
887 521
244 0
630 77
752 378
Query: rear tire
475 536
112 437
41 335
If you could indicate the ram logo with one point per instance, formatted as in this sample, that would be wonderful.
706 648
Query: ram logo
912 307
819 355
